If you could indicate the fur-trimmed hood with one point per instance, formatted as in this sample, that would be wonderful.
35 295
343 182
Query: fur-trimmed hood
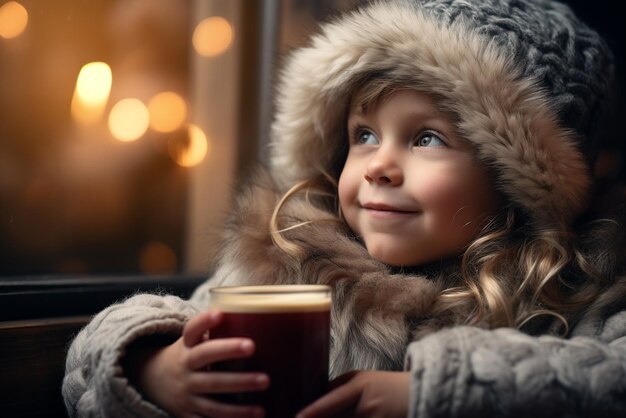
529 88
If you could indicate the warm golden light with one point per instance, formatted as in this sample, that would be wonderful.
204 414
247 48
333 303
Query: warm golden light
168 111
93 87
190 149
128 120
13 20
212 36
94 83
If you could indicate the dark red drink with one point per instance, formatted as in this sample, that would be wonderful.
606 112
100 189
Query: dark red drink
290 326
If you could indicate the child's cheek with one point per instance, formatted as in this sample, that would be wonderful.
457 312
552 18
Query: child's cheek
439 190
453 194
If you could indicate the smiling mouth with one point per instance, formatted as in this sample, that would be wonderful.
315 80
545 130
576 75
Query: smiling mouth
386 211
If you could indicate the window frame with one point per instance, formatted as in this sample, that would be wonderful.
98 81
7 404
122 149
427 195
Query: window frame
26 298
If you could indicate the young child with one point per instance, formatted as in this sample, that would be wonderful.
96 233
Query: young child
432 161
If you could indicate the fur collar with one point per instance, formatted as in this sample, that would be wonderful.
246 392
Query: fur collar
376 312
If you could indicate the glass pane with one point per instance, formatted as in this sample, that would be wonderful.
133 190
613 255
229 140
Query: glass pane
124 123
95 135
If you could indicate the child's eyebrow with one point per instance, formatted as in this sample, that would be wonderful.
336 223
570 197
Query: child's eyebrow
426 116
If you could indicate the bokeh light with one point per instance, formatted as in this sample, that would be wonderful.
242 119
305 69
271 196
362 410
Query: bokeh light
157 258
168 111
129 119
189 149
212 36
93 87
13 20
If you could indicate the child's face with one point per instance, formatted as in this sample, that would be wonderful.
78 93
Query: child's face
410 187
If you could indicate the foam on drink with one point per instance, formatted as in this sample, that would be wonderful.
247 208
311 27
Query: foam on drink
268 299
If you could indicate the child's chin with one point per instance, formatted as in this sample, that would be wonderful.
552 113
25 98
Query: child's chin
392 259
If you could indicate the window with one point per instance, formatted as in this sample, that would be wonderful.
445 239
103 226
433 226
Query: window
124 126
111 113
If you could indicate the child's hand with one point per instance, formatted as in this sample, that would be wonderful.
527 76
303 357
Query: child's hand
364 394
178 377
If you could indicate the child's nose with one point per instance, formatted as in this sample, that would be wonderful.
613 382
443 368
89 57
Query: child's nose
384 168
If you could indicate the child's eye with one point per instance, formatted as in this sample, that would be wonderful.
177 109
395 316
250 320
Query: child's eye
366 138
429 139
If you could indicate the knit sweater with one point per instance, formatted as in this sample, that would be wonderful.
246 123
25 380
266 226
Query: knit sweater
381 320
456 372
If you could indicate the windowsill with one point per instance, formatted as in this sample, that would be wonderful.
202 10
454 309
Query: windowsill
24 298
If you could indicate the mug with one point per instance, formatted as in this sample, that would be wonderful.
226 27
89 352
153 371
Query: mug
290 326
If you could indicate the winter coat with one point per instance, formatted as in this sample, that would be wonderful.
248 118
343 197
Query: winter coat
526 82
380 320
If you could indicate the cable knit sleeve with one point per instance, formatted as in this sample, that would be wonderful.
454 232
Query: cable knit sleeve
465 371
94 384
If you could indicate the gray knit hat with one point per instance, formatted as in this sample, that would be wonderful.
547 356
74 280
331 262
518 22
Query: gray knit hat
529 82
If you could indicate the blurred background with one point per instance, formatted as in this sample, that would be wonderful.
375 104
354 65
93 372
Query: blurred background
125 125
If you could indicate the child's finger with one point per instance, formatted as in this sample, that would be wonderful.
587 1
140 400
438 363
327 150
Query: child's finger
219 349
333 403
195 328
343 379
217 382
209 408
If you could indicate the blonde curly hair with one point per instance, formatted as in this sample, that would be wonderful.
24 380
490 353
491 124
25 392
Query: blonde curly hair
513 272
